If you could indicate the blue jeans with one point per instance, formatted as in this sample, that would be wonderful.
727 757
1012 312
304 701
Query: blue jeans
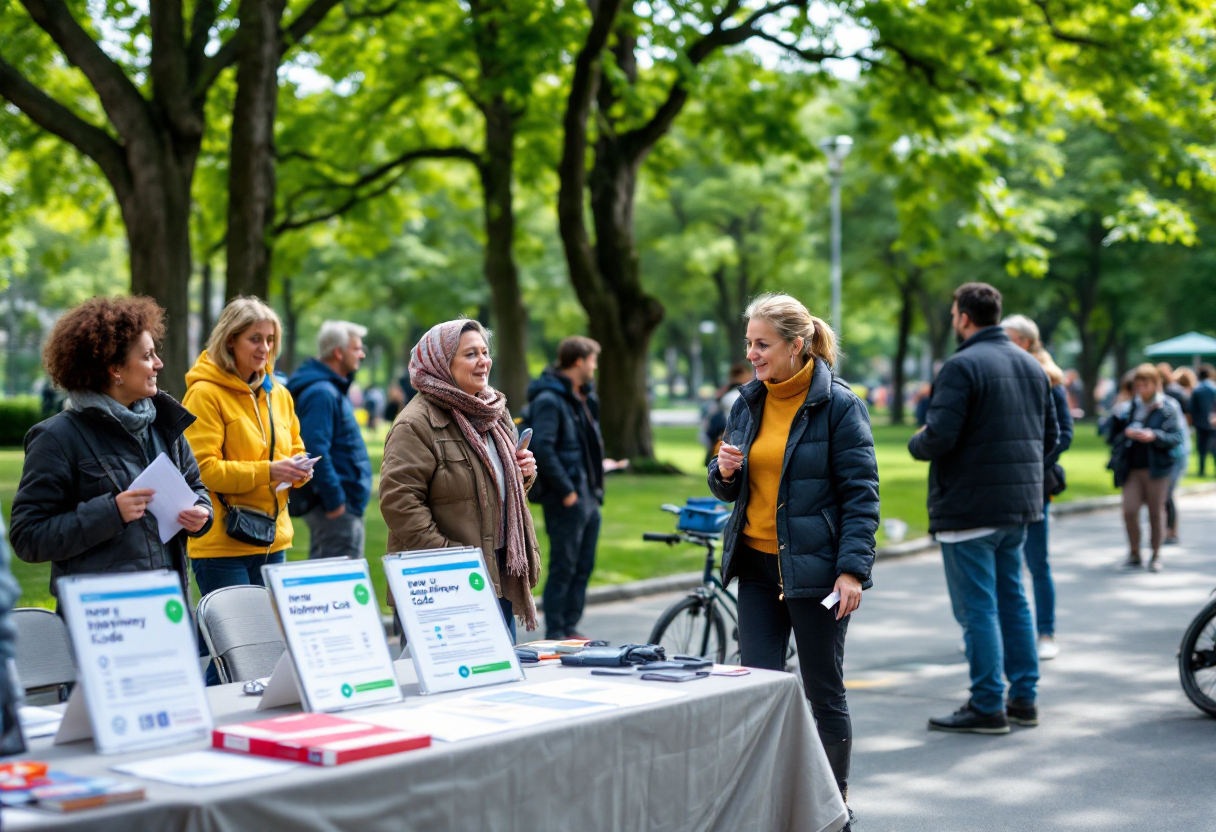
217 573
984 577
1040 574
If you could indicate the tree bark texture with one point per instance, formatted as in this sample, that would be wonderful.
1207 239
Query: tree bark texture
510 318
251 168
907 302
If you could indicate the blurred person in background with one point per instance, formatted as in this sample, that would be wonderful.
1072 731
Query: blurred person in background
1203 405
247 441
333 502
1025 333
75 507
741 373
1143 433
1177 397
921 402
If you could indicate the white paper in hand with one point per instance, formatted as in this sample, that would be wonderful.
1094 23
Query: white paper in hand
172 496
832 600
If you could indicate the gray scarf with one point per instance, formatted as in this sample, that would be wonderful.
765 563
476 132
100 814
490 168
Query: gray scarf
136 419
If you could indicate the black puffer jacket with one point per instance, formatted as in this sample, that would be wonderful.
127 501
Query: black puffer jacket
566 440
827 504
65 511
991 424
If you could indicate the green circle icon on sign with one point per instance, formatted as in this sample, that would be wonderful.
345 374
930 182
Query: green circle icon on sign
347 691
174 610
361 594
477 582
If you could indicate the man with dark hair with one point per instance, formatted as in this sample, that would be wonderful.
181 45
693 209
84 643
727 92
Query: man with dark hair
1203 402
990 423
980 302
564 415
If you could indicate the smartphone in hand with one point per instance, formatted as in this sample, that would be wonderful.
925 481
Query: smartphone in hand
524 439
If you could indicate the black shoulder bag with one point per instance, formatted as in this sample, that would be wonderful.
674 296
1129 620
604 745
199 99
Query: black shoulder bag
246 525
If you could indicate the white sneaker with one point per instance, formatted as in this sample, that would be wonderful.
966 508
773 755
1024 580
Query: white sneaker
1048 649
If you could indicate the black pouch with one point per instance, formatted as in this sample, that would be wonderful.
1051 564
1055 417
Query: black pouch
244 525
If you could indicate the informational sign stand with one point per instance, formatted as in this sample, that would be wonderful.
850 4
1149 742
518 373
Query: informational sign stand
453 623
335 638
139 680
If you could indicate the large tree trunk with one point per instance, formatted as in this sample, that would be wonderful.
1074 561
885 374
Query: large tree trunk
907 300
251 171
509 316
625 333
156 212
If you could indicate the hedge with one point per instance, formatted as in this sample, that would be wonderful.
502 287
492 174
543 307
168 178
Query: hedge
17 415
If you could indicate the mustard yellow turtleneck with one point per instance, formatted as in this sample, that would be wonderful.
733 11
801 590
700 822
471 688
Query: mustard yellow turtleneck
766 456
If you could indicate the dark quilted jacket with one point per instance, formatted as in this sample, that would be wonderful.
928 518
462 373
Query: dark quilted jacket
827 504
991 424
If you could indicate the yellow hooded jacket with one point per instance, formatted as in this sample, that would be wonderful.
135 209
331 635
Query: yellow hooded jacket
231 441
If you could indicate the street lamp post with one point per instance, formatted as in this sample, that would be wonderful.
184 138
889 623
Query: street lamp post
836 148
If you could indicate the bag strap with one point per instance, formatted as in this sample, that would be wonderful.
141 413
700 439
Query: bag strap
273 493
72 416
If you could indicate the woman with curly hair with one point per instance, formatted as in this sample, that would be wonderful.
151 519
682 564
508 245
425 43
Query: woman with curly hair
75 507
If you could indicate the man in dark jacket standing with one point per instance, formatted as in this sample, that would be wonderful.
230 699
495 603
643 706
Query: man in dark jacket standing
564 416
990 425
1203 404
334 501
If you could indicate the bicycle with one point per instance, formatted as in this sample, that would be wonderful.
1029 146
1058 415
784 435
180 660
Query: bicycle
1197 660
695 625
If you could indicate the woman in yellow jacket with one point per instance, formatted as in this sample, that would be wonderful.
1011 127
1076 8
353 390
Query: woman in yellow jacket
246 439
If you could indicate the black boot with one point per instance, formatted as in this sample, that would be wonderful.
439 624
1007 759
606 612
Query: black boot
838 758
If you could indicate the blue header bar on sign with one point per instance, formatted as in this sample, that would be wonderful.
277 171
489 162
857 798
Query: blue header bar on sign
94 597
444 567
324 579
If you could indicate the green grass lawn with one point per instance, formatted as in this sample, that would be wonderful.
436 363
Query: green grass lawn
632 505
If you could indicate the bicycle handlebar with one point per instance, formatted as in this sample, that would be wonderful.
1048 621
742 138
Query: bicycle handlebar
656 537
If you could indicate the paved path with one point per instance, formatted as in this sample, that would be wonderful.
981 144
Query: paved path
1119 748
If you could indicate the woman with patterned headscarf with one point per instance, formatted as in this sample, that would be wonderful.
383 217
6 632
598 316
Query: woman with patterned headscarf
452 475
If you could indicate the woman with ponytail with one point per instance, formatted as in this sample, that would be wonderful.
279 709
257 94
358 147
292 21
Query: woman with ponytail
798 462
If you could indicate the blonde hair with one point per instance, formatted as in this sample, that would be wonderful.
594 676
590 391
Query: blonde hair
791 320
1029 330
1185 376
1147 372
240 314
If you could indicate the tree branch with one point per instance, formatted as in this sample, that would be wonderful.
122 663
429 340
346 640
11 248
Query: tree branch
306 21
55 118
205 14
123 104
356 197
1060 35
637 143
170 67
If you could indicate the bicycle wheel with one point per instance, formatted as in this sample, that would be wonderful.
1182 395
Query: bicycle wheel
692 627
1197 660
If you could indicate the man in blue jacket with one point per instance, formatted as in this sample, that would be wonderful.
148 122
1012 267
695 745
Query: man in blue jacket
564 415
990 425
1203 404
334 501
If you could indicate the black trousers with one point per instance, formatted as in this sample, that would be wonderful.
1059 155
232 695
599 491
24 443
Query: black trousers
574 533
765 623
1203 444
